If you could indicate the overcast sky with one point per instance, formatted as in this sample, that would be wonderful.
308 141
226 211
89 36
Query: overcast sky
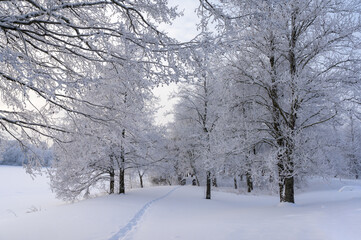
183 29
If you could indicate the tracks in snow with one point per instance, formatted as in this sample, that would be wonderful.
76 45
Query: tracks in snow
137 217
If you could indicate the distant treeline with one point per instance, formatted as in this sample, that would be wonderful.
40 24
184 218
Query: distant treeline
14 154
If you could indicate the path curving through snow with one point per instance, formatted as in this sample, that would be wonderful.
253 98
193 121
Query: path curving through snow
132 224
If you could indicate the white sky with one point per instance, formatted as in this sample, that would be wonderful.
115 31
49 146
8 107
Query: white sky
183 29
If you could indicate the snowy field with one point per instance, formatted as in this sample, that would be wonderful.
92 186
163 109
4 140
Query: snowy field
28 210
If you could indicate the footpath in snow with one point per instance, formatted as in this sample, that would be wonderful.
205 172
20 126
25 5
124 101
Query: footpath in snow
325 211
37 215
320 215
132 224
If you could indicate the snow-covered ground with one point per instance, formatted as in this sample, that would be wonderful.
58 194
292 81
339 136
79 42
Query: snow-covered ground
325 210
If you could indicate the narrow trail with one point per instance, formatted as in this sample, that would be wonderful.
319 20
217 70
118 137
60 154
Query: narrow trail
132 224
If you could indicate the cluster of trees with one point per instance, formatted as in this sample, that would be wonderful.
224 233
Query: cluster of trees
80 73
101 151
270 91
277 93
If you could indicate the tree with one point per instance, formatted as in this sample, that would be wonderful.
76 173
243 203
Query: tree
294 54
238 131
350 137
350 117
183 149
51 50
196 116
103 149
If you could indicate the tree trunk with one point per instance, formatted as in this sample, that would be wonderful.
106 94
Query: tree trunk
208 185
286 184
197 181
281 189
122 158
179 180
121 169
289 195
249 182
121 181
141 180
235 183
111 183
194 182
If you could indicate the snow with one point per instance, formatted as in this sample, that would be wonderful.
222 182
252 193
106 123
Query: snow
138 216
20 194
350 188
28 210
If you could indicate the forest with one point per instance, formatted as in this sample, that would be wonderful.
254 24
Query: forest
268 92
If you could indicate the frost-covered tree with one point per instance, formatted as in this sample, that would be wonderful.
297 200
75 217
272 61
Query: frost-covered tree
295 54
102 150
196 117
150 154
51 51
349 134
183 149
240 136
350 140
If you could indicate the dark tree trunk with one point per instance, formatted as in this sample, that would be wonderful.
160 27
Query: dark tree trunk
281 179
286 184
208 185
281 189
289 195
141 180
179 180
249 182
241 177
121 181
111 183
235 183
289 190
121 169
122 158
194 182
285 164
